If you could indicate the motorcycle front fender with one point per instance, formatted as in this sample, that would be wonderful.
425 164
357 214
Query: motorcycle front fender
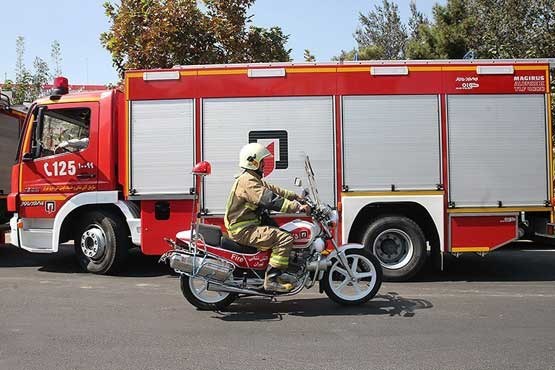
339 254
343 248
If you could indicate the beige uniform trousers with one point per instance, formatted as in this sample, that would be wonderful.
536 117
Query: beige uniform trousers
266 237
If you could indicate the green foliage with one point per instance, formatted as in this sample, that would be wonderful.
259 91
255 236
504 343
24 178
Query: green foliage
383 31
22 75
363 53
490 28
39 78
265 45
164 33
29 85
308 57
56 56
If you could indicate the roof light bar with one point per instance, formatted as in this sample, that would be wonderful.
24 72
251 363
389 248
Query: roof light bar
495 70
266 72
160 76
389 71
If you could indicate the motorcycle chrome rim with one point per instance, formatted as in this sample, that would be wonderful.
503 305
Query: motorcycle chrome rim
360 286
199 288
394 248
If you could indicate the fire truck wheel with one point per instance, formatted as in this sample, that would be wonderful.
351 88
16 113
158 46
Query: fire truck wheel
399 244
102 244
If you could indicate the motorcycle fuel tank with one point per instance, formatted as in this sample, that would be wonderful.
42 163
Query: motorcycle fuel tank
304 232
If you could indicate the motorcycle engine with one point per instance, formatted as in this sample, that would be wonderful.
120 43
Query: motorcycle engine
297 260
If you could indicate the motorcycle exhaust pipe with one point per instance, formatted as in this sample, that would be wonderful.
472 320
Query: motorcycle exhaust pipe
229 289
207 268
321 265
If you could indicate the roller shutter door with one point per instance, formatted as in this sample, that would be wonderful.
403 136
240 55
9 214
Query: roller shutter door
497 150
391 140
292 125
162 147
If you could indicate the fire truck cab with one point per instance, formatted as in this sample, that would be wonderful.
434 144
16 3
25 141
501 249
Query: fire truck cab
418 156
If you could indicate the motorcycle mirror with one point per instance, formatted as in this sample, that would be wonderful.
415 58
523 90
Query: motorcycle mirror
298 182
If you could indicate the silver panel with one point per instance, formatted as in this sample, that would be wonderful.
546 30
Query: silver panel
497 150
162 146
391 140
308 122
9 129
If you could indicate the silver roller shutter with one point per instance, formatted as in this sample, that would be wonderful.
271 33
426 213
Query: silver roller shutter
391 140
497 150
162 146
307 123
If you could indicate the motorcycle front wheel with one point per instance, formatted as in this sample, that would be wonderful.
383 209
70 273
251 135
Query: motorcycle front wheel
367 272
196 292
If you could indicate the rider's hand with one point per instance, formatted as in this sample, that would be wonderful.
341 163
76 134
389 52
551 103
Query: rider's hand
305 208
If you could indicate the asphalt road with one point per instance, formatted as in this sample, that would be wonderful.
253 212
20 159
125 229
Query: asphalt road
495 312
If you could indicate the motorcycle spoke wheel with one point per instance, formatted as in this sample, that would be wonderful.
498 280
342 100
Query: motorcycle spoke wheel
199 288
196 292
366 281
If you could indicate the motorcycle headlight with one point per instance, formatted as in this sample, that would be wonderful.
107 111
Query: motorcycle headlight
319 244
333 218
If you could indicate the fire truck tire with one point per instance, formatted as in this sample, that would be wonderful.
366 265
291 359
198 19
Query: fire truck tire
102 243
399 244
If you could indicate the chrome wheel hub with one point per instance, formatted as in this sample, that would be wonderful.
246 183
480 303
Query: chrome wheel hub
394 248
93 243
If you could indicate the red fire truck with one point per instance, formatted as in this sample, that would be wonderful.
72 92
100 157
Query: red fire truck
418 156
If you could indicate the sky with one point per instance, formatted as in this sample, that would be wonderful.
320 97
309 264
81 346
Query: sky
325 27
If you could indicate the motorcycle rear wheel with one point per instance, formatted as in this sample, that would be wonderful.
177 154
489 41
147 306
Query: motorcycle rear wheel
368 278
194 290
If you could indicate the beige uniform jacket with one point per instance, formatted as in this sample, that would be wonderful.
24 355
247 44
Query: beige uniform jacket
249 196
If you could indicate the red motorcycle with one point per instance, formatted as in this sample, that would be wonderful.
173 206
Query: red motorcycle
215 270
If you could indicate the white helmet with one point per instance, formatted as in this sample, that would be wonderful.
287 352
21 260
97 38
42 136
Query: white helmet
251 155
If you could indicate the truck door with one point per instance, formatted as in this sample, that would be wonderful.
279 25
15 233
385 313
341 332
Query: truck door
59 161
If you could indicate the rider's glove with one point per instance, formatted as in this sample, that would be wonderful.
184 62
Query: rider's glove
305 208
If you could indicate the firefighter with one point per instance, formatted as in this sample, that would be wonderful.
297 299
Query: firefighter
250 196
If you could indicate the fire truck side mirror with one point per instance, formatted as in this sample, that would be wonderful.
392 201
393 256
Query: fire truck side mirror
27 157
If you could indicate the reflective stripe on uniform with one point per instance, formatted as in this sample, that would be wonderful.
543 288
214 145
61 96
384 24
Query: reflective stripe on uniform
252 207
279 261
285 206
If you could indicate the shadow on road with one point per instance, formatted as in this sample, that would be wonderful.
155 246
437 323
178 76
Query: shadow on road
516 262
261 309
138 265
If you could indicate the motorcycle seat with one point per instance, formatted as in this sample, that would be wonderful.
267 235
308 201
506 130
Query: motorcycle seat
232 246
212 234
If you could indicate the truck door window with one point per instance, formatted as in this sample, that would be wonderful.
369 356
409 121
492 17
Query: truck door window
64 130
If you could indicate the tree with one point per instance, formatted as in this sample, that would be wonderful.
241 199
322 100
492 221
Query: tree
308 57
420 44
363 53
22 75
39 78
164 33
515 28
28 85
56 56
265 45
383 30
